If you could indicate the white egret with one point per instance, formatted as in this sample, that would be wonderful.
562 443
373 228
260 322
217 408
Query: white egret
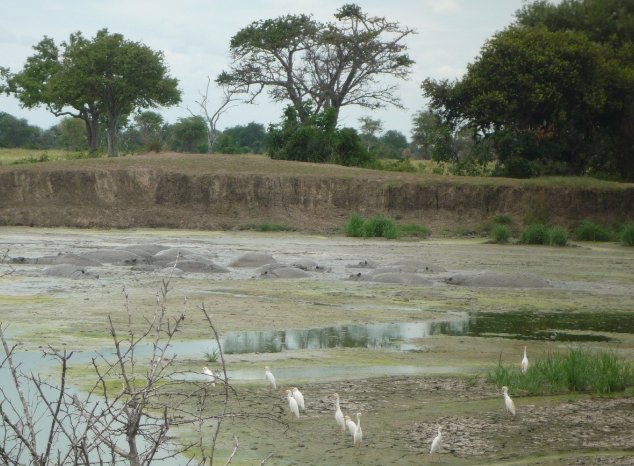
211 378
524 363
352 427
299 398
271 379
357 438
341 422
435 444
292 405
508 402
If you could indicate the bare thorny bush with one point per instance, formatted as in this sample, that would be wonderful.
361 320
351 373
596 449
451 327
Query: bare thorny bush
125 417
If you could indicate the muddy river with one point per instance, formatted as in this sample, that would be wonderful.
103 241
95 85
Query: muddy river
405 331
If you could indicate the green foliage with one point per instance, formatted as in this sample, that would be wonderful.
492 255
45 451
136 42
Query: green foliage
501 234
577 370
627 235
589 231
543 234
380 227
16 132
189 135
105 78
554 91
41 158
315 140
557 236
329 65
354 226
400 165
212 355
249 139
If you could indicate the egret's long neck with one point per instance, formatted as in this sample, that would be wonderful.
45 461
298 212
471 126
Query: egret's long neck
358 420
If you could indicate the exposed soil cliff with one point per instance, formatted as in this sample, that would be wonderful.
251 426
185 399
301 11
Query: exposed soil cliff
224 192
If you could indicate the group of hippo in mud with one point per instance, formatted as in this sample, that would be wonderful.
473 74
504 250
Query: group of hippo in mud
155 258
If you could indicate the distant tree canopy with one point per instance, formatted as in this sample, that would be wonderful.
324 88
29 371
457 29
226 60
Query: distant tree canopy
551 94
107 78
321 66
242 139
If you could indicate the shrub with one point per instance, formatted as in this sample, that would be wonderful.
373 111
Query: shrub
501 233
627 235
354 227
557 236
535 234
542 234
588 231
380 226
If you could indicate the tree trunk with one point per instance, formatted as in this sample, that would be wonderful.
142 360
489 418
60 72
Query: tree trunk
113 149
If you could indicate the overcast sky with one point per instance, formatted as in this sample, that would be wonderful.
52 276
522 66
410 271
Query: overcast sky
194 35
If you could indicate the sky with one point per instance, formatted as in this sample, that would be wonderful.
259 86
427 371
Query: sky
194 37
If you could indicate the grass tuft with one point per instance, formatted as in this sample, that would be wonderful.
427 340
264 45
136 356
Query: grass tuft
627 234
577 370
588 231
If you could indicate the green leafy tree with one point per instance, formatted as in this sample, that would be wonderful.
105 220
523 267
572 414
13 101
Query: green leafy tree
106 78
391 145
550 97
242 139
189 135
425 126
329 66
150 127
16 132
72 134
369 129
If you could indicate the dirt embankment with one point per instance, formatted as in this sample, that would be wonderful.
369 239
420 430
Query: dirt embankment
220 192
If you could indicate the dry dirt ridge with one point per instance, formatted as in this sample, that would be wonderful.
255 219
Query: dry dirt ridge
222 192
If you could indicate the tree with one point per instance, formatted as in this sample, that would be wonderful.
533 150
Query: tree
425 125
72 134
551 100
16 132
107 77
189 135
369 128
242 139
150 127
230 96
328 66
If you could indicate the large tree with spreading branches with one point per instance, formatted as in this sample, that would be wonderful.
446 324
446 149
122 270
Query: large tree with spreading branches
318 66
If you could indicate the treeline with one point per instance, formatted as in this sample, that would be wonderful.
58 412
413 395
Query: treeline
147 131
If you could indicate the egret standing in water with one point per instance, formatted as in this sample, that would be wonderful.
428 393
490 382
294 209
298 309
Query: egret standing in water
352 427
508 402
357 438
341 422
524 363
292 405
270 378
435 444
211 378
299 398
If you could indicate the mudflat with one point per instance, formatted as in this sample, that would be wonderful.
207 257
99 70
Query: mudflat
417 327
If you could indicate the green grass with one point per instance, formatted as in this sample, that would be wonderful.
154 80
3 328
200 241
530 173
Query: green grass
589 231
381 227
211 355
627 235
544 234
501 234
23 156
578 370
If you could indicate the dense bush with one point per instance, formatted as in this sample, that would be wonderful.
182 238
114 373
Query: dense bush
588 231
501 233
627 235
543 234
380 227
354 227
